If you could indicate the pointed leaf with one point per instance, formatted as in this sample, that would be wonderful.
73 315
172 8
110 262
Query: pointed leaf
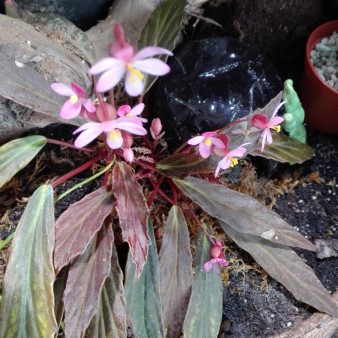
59 288
184 164
243 212
86 277
133 213
176 271
65 33
77 226
143 296
284 265
16 154
110 319
162 29
27 307
204 314
285 149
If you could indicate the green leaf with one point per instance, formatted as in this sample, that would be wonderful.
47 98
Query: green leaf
16 154
27 307
184 164
77 226
143 296
162 29
176 271
86 278
243 212
204 314
133 213
285 149
284 265
64 32
110 319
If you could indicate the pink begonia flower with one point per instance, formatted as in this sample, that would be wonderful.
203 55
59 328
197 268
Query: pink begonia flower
77 103
207 143
217 259
260 121
127 112
229 157
112 129
124 61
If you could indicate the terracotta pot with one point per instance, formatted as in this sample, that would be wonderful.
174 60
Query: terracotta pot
319 100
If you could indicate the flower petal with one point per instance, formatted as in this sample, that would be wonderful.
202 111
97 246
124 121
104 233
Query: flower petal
70 110
123 110
152 66
87 136
133 87
78 90
260 121
62 89
276 110
110 79
275 121
150 51
196 140
131 127
238 152
105 64
137 110
88 104
114 139
86 126
217 142
204 150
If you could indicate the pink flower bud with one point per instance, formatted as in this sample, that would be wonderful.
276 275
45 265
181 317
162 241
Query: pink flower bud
127 140
156 127
215 251
128 154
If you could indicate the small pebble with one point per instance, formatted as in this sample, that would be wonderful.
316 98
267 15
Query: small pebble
325 60
289 324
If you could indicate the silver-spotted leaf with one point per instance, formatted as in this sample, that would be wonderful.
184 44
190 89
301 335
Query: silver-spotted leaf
243 212
86 277
204 313
143 295
162 29
176 271
284 265
110 318
133 213
16 154
27 306
77 226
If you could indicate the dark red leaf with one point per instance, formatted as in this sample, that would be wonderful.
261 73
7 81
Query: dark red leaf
133 213
76 227
86 277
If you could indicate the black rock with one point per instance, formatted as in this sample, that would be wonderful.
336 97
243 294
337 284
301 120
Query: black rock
212 83
83 13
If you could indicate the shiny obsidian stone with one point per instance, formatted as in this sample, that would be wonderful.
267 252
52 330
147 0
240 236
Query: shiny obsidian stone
212 82
83 13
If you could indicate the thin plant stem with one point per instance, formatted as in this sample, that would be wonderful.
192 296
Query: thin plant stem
6 241
69 145
85 181
76 171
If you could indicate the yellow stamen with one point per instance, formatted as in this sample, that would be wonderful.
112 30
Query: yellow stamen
277 128
114 136
208 142
135 74
73 99
128 115
233 161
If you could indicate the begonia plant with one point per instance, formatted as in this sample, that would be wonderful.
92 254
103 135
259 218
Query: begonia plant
65 274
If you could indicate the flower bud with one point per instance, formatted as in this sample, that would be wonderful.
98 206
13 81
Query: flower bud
215 251
127 140
109 109
128 154
156 127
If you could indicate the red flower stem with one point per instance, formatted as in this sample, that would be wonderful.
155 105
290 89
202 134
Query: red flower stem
69 145
192 214
156 186
107 173
111 98
173 190
76 171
